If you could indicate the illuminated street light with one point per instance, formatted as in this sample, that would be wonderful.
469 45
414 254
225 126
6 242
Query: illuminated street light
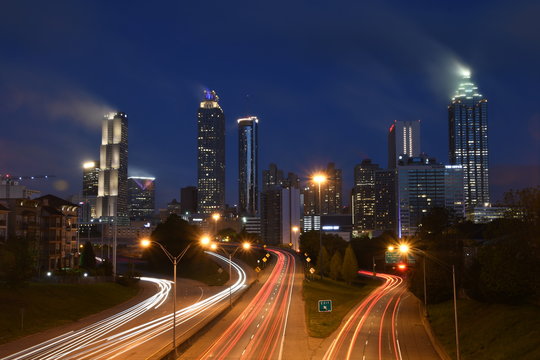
145 243
390 248
205 240
216 217
319 179
404 248
245 245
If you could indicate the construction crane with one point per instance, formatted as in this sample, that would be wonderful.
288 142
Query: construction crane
12 180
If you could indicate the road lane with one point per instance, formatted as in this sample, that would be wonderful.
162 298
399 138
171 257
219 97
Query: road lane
258 333
385 325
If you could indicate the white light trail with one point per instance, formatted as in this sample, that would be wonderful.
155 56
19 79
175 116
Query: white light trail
97 341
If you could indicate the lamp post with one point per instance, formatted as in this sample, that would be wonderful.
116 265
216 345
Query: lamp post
295 230
205 241
216 217
404 249
319 179
174 259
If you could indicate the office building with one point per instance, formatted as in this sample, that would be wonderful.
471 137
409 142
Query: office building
363 201
248 166
331 197
112 197
385 200
90 186
210 155
468 140
188 200
403 139
424 184
142 203
280 210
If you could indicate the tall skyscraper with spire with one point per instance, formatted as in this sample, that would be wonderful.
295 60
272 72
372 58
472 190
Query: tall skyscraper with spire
248 165
112 200
210 155
468 133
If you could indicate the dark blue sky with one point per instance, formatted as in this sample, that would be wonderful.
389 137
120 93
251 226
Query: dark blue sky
325 78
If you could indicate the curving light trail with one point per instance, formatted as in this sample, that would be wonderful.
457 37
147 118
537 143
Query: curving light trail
353 339
259 332
104 339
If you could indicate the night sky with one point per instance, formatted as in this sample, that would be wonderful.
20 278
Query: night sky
325 78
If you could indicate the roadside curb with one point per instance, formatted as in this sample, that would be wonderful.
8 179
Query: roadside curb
432 337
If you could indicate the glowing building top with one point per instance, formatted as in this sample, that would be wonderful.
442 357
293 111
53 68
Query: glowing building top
211 100
467 89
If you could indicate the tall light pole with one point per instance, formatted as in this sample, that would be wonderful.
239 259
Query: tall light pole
216 217
174 259
319 179
404 249
205 241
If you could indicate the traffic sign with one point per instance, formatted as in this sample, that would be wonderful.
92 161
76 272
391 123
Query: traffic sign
257 269
392 257
325 305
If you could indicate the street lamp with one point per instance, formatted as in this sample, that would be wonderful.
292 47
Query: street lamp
404 248
216 217
205 241
295 230
145 243
319 179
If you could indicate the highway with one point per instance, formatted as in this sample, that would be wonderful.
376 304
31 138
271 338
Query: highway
259 332
385 325
138 331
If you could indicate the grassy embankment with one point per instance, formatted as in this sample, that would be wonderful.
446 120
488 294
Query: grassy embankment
344 297
48 305
489 331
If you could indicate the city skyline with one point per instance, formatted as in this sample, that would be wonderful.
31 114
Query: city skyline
300 91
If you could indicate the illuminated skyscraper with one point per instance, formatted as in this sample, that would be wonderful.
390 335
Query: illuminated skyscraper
210 155
141 197
112 198
90 178
90 187
467 117
248 165
403 139
363 202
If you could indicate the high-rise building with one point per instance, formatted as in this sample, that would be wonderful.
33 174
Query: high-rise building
403 139
280 215
272 176
385 200
468 133
210 155
188 199
90 186
424 184
331 197
142 203
90 178
248 165
112 200
280 208
364 197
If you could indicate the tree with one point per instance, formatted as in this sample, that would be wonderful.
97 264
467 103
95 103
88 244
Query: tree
349 267
88 258
335 266
323 262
